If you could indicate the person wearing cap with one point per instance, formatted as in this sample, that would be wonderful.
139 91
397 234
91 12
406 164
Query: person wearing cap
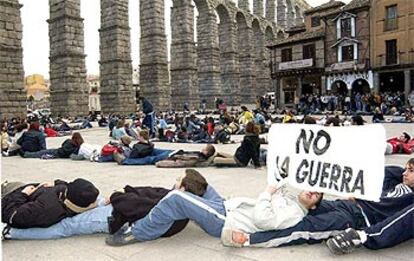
42 205
126 205
402 144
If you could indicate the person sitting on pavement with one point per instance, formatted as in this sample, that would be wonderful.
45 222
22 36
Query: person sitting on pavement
32 140
42 205
127 205
214 214
68 147
248 150
187 159
14 148
402 144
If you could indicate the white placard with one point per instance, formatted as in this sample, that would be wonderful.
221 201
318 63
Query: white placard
343 161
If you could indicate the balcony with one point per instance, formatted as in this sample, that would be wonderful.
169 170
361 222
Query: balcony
390 24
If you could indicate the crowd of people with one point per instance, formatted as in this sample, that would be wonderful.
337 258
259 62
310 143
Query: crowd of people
63 209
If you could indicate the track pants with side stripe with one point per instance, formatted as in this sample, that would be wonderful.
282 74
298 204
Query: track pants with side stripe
207 211
391 231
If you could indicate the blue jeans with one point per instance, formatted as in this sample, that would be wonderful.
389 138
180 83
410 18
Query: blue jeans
207 211
156 155
108 158
39 154
149 121
90 222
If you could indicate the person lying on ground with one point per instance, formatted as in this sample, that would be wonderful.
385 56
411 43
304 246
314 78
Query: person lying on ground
68 147
187 159
213 213
32 140
402 144
333 216
248 150
108 150
128 205
42 205
391 231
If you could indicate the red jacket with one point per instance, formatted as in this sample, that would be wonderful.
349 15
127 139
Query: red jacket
50 132
400 147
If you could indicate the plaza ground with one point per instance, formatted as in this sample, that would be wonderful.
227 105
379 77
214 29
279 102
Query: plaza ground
192 243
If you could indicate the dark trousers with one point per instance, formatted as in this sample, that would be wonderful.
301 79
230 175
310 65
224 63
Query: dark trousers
391 231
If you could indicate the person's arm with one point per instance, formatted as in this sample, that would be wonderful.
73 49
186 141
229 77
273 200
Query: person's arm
42 141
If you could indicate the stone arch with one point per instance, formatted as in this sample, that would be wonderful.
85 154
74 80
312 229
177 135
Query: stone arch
228 56
339 87
260 63
361 86
244 43
280 35
270 36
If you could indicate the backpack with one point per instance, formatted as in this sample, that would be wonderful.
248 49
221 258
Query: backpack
141 150
109 149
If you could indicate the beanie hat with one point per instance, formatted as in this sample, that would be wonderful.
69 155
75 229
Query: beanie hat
80 195
126 140
9 187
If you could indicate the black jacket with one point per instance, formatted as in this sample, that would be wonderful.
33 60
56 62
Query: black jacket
32 141
135 204
67 148
41 209
249 149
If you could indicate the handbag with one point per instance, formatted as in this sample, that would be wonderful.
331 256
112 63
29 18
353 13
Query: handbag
141 150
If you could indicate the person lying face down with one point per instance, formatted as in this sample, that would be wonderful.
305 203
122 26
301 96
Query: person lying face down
127 206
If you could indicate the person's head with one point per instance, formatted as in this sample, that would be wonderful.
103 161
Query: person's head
249 127
77 139
309 120
408 175
208 150
193 182
120 124
126 140
357 120
21 127
404 137
244 108
81 195
34 126
310 200
144 135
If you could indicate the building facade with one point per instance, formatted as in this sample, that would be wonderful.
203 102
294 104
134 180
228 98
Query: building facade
347 47
392 52
298 61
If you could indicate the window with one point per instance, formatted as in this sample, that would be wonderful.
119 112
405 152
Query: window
309 51
316 21
347 53
390 22
391 52
287 55
346 30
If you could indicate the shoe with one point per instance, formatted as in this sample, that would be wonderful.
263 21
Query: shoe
345 242
121 238
118 157
94 156
5 234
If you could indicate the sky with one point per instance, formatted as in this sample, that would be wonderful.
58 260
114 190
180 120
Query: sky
36 40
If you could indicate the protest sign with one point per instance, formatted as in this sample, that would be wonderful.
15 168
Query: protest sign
343 161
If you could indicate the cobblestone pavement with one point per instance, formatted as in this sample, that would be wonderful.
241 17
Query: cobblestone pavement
192 243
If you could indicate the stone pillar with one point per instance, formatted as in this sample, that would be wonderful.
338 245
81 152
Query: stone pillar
282 94
247 75
262 69
281 13
299 87
69 89
276 85
117 94
258 8
407 83
376 87
184 82
208 53
12 93
290 16
154 77
299 17
229 62
271 10
323 85
244 4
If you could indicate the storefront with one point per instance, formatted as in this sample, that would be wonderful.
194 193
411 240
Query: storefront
350 82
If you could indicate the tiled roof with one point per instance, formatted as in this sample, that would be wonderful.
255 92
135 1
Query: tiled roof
354 4
317 33
329 5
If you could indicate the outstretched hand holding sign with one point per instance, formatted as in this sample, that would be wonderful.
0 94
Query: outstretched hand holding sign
346 161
